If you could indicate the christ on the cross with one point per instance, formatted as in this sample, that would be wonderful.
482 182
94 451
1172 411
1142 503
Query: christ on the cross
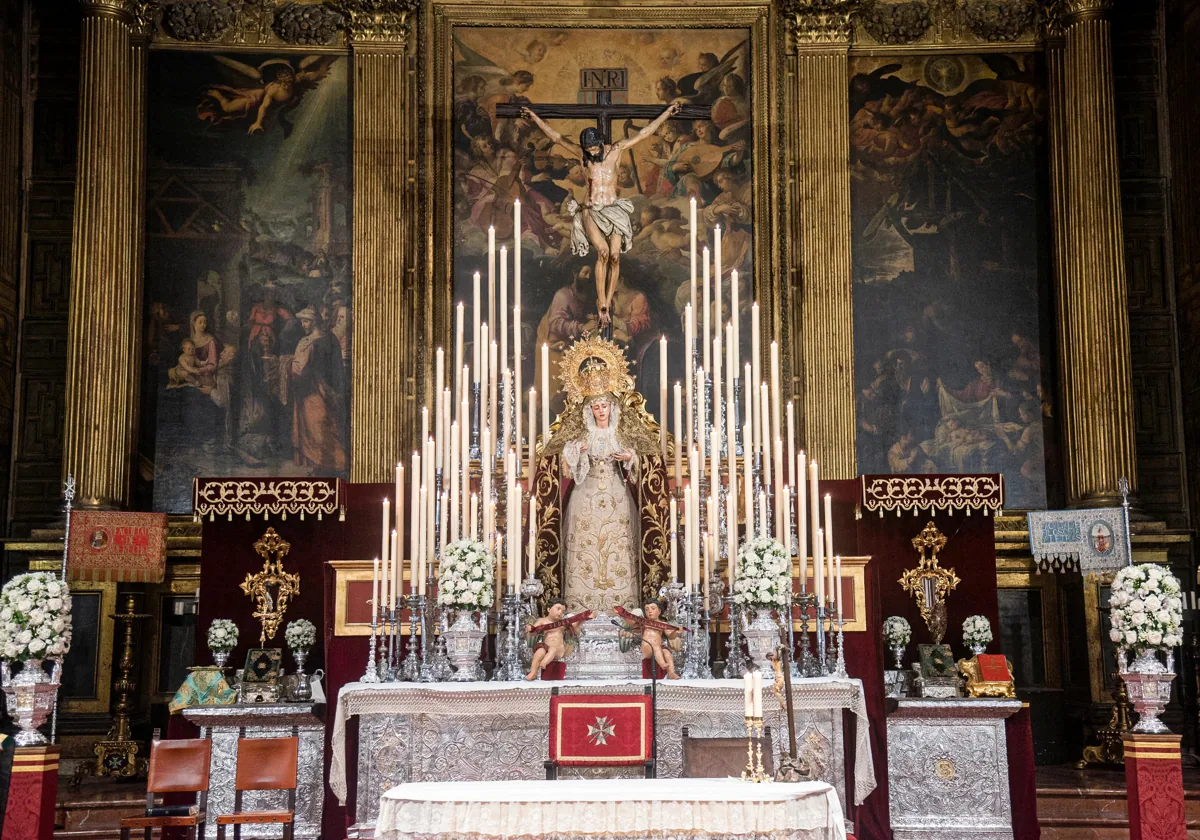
604 222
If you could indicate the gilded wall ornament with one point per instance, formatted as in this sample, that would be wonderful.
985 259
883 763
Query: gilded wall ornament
309 24
929 583
819 21
897 23
998 20
272 588
198 21
378 21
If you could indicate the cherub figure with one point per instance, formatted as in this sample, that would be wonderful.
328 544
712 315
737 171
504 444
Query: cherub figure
654 633
280 87
187 372
553 635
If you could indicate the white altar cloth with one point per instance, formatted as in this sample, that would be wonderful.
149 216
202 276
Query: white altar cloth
611 809
402 723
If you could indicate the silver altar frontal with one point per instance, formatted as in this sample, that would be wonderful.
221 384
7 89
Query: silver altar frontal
948 769
439 732
223 725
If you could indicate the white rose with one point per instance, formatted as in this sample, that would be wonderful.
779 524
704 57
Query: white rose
1114 634
1137 605
24 605
37 616
1152 603
1174 603
1163 616
54 604
24 637
53 589
1138 619
6 614
1154 637
33 585
44 632
1130 637
37 646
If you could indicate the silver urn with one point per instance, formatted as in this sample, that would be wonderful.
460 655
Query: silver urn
464 641
762 640
1148 683
30 695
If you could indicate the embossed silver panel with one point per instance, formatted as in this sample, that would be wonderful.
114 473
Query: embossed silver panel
948 769
225 724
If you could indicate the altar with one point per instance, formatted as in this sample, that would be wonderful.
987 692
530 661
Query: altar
421 732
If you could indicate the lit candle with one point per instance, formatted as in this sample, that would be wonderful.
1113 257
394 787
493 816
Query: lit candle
758 707
787 532
776 392
545 394
762 514
518 423
485 484
749 398
837 586
735 316
414 477
517 256
731 532
383 545
455 497
761 432
717 276
819 568
764 402
475 322
791 439
707 312
493 384
424 543
829 527
748 479
532 434
802 522
716 378
491 269
483 376
678 433
674 540
506 417
504 309
439 378
375 592
815 505
747 688
692 255
662 397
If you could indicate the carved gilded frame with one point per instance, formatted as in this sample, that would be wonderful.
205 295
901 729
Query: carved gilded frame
440 17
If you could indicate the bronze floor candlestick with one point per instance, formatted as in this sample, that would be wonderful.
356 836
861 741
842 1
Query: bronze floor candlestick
117 754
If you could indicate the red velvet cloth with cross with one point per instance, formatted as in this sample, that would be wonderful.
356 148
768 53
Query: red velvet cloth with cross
590 730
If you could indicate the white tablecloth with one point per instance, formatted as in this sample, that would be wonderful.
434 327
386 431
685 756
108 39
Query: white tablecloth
532 698
611 809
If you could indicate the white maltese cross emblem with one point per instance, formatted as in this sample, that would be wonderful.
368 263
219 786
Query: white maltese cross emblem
601 731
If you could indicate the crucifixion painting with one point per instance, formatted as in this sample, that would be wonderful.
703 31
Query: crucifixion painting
605 136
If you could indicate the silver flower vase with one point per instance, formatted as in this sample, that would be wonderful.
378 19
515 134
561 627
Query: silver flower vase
302 693
762 640
1148 682
464 641
977 649
898 655
220 658
30 695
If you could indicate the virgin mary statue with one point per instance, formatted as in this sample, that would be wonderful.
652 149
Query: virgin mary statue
601 488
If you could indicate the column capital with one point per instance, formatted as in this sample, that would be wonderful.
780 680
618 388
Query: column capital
819 22
124 10
1074 11
379 22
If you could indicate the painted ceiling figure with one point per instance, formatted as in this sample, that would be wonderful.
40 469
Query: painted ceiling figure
278 89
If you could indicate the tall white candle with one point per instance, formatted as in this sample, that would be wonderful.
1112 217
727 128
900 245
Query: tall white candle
458 351
446 421
491 275
532 434
493 387
397 563
506 416
423 545
786 506
758 695
375 591
414 521
517 253
731 371
679 442
464 453
717 272
829 527
837 586
802 520
731 435
545 393
735 316
532 536
430 500
762 514
716 379
513 540
688 522
776 392
674 540
707 313
749 398
383 545
455 495
819 566
692 255
474 514
518 422
731 518
791 443
781 511
485 485
397 567
662 397
815 505
748 483
475 322
761 433
689 333
483 375
764 402
439 378
504 309
747 689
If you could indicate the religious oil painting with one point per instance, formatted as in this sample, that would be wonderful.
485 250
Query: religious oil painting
247 342
609 250
950 261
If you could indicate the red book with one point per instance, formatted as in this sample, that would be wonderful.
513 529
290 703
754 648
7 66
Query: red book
993 667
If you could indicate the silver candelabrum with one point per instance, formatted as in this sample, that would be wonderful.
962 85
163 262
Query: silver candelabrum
735 660
371 674
410 668
513 611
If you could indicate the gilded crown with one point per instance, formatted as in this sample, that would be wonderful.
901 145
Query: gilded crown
594 366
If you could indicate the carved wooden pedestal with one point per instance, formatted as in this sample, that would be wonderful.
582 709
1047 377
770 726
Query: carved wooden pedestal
1154 785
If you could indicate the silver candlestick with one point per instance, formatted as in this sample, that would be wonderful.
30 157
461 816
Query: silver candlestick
839 669
808 665
371 674
508 638
735 660
410 669
475 421
822 664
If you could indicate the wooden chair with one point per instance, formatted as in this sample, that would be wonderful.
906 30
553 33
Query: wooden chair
177 766
718 758
263 764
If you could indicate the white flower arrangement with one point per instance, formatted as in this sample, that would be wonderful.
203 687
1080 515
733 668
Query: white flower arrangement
465 576
300 634
222 635
896 631
35 618
764 577
1146 608
977 631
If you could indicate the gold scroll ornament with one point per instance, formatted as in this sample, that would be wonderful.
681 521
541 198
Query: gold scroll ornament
929 583
272 588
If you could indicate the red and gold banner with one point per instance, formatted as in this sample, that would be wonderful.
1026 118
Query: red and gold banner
29 814
600 730
1154 785
116 545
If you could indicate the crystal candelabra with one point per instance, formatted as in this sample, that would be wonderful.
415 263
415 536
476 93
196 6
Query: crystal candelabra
410 669
735 661
839 669
508 637
371 674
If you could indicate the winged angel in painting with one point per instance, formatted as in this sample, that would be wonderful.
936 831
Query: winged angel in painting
278 87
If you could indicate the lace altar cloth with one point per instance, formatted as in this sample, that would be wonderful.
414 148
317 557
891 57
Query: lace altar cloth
439 732
612 809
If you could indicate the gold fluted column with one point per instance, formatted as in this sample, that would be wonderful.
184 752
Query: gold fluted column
1096 384
103 340
388 311
819 152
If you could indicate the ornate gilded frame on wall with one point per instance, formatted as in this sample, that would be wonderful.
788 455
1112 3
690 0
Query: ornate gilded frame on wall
440 17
